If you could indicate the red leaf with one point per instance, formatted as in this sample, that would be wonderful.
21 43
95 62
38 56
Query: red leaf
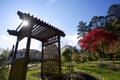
95 38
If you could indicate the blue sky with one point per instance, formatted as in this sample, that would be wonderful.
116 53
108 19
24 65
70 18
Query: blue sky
63 14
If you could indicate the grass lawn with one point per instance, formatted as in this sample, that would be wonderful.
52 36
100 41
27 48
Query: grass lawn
90 67
29 75
32 69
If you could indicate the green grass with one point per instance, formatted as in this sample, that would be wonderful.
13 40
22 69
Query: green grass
90 67
29 75
32 69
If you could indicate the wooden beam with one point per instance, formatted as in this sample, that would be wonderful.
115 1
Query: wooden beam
26 57
13 32
42 60
59 53
14 56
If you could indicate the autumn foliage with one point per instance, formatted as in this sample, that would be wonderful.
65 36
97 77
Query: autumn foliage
95 39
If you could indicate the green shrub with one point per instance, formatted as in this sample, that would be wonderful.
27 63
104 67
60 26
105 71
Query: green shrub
102 65
3 68
83 59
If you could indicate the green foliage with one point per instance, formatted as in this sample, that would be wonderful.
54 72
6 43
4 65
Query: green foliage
6 53
114 10
76 57
97 21
67 55
82 29
83 59
3 67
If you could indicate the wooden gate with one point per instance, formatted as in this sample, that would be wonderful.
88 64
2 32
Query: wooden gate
48 35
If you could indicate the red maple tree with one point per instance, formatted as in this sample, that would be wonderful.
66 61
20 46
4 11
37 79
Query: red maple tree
96 39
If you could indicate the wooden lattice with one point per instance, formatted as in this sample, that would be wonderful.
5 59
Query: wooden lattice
50 60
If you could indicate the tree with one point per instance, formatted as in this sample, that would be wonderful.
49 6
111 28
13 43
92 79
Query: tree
96 40
67 54
114 10
82 29
114 47
97 21
113 19
75 50
4 65
113 26
100 21
51 51
71 48
109 23
76 57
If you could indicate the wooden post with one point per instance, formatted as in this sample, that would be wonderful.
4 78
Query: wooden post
14 56
59 53
16 47
42 60
26 57
27 52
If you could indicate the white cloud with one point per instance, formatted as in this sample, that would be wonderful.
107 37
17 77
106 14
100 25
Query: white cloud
7 41
34 44
5 37
70 40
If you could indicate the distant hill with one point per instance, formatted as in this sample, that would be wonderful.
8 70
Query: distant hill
1 50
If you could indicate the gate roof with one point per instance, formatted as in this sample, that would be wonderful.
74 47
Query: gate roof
40 30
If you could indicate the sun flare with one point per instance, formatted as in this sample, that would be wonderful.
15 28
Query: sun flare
25 23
